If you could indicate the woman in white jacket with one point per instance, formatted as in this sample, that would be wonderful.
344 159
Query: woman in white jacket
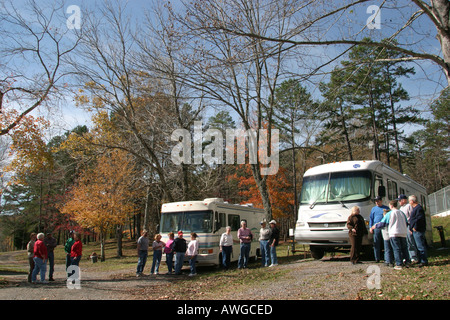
192 252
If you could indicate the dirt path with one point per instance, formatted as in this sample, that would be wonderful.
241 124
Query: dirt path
300 279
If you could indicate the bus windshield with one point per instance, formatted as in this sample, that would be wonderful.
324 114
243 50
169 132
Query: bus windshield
187 221
336 187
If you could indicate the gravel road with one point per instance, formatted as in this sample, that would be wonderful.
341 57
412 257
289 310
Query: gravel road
326 279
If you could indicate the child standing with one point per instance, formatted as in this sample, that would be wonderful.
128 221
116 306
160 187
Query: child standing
192 252
157 246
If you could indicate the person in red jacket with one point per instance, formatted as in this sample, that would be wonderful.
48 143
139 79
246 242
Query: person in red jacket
76 251
40 259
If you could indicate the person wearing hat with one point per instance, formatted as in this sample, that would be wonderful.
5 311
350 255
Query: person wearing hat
273 241
376 215
264 237
179 247
406 208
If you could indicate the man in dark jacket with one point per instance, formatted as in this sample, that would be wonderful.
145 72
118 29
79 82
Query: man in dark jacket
418 225
179 247
273 241
50 243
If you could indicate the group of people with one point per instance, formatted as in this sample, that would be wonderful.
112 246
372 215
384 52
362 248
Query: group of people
268 241
177 248
400 227
40 250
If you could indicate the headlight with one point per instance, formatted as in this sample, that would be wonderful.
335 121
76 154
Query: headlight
300 224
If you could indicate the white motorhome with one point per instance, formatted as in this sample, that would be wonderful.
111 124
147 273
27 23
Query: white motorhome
209 218
329 191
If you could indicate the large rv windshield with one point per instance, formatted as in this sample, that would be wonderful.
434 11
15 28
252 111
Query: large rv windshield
187 221
336 187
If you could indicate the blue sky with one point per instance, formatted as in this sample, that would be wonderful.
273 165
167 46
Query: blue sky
422 87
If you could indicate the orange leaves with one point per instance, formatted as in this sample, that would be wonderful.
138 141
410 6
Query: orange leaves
280 190
103 196
28 146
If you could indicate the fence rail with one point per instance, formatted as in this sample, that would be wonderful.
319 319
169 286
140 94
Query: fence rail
439 202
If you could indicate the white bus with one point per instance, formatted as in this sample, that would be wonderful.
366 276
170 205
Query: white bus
329 191
208 219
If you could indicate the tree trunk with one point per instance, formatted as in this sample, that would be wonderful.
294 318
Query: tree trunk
102 245
441 10
147 209
119 236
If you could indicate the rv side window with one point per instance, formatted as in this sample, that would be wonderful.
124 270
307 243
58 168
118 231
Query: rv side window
392 190
402 191
221 223
378 183
424 202
234 222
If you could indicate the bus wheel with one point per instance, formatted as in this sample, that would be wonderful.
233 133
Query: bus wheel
317 252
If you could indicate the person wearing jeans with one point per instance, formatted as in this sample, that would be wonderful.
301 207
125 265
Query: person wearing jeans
169 252
226 247
245 237
179 247
192 252
158 246
40 259
264 236
50 243
376 215
397 229
406 208
142 248
418 225
274 238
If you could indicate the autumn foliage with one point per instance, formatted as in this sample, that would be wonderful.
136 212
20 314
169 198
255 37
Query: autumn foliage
103 197
280 189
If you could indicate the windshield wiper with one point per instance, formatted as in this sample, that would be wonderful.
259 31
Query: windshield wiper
315 201
340 201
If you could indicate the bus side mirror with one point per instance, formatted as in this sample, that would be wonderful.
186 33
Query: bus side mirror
382 191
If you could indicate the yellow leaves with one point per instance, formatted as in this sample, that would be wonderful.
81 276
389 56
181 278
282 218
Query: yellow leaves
103 197
28 148
85 146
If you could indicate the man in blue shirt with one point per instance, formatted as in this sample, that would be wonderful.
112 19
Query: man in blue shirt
376 214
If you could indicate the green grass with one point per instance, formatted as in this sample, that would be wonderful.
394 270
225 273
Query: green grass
428 283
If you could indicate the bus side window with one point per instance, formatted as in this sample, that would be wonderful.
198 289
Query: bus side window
402 191
234 222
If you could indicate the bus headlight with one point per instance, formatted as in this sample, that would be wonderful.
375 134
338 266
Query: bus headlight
300 224
206 251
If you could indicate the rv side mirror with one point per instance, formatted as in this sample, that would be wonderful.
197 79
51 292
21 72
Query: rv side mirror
382 191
